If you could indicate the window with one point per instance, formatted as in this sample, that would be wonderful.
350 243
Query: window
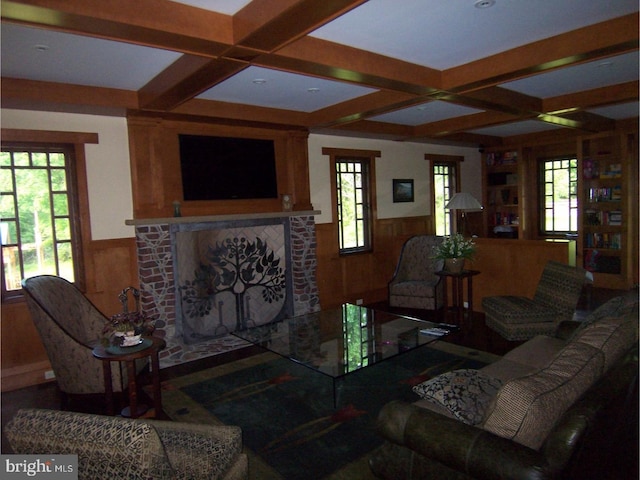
444 181
559 196
354 191
39 216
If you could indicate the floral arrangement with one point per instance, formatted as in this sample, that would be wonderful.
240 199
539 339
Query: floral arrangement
126 328
455 246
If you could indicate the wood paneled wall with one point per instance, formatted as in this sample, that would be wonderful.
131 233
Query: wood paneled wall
363 276
155 167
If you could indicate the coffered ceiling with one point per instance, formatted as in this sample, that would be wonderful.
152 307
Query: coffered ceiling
458 71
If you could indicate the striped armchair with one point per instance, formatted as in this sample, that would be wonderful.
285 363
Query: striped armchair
114 447
518 318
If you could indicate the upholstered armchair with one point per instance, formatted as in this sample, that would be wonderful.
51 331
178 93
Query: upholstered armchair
415 284
70 326
115 447
518 318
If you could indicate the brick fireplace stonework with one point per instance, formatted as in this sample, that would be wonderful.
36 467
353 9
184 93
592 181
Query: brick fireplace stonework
156 252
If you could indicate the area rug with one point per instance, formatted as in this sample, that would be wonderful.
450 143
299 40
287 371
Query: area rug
291 429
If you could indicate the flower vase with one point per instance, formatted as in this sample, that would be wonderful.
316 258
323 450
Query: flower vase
454 265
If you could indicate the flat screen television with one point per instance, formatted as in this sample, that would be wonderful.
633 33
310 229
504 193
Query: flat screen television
227 168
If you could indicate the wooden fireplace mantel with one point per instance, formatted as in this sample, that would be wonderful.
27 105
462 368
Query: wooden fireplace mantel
220 218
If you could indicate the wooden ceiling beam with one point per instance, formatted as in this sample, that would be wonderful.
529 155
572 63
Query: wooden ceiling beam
185 79
239 112
157 23
616 36
267 25
597 97
464 123
21 90
314 56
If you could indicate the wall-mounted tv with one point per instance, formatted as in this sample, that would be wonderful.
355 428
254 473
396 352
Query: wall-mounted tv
227 168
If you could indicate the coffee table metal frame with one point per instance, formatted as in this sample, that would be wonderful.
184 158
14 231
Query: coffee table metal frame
341 341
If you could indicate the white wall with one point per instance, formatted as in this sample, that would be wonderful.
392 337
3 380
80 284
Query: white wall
398 160
108 171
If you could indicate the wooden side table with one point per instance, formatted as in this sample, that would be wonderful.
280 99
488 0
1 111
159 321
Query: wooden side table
457 286
150 348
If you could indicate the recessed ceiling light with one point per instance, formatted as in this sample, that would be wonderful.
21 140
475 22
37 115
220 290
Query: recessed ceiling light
313 90
484 3
41 48
259 81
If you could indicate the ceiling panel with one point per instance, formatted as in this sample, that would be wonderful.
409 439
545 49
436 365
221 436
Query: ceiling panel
601 73
445 34
425 113
272 88
38 54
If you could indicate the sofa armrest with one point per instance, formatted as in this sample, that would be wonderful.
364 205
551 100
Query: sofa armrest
199 451
566 329
461 447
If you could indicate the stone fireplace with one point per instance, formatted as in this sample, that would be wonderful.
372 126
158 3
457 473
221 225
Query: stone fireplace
203 277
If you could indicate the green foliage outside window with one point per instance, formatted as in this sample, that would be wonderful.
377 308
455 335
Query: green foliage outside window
35 226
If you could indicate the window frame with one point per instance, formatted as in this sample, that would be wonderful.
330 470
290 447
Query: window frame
367 157
542 206
74 144
453 162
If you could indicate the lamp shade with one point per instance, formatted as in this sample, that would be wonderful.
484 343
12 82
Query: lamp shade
463 201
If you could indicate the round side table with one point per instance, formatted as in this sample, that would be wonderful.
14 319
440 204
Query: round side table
148 348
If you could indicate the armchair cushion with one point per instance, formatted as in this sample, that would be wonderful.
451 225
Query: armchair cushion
465 393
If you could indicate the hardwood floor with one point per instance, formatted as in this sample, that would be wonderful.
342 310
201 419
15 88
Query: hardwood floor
621 461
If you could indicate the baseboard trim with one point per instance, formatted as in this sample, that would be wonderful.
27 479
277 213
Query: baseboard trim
24 376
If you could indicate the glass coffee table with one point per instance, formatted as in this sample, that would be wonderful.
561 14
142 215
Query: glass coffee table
344 340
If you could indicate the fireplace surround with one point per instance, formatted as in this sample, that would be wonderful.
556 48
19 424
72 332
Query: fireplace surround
166 268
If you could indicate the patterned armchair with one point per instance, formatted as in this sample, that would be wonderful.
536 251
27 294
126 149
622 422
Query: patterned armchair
520 318
114 447
70 326
414 284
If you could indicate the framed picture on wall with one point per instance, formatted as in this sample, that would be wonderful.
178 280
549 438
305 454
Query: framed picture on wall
402 190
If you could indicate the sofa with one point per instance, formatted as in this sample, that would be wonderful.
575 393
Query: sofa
530 415
115 447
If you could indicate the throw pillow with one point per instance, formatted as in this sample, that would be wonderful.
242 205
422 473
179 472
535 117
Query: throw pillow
465 393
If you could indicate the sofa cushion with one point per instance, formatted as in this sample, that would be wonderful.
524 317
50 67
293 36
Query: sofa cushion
465 393
612 335
526 409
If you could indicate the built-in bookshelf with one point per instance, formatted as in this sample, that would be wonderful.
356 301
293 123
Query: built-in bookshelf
603 233
501 189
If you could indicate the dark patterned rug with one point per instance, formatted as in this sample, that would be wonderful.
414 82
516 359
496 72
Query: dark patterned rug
291 429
